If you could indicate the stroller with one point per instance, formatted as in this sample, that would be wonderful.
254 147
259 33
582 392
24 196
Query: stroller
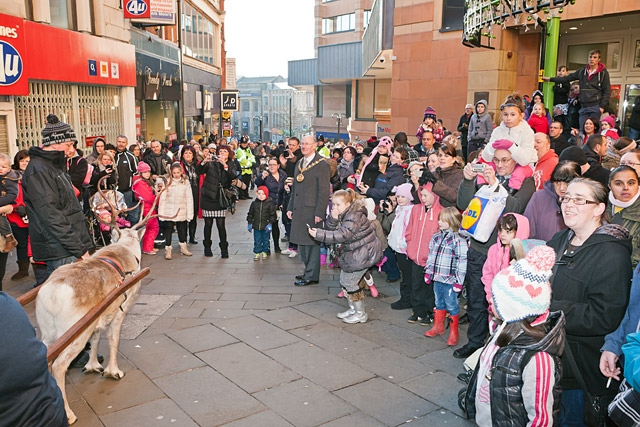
99 213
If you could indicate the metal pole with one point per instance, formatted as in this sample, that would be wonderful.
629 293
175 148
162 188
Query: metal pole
260 139
290 100
339 120
551 58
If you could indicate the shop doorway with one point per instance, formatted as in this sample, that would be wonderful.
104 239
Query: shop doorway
631 97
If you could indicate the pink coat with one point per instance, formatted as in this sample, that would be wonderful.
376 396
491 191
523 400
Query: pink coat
423 224
144 192
498 255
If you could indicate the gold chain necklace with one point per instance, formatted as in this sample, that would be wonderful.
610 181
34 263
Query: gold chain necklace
301 170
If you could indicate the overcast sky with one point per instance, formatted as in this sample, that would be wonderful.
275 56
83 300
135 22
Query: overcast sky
263 35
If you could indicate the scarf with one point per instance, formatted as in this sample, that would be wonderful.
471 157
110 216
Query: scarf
618 205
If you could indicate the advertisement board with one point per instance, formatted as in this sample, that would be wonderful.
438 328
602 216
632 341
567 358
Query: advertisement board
13 56
161 12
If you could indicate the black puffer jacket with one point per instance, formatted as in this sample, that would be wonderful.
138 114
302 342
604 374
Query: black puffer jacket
214 175
261 213
57 226
591 286
359 247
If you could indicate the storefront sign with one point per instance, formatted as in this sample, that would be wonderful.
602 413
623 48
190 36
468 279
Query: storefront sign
161 12
89 140
229 101
136 9
157 79
13 55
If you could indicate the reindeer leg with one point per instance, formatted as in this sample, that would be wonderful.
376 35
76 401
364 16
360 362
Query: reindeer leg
113 334
59 369
93 365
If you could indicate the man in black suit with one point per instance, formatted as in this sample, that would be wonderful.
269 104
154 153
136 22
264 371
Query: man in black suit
308 207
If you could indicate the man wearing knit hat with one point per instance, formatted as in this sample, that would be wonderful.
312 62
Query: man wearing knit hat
593 171
57 227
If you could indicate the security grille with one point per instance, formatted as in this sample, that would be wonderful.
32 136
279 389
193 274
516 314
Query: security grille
4 135
90 110
32 110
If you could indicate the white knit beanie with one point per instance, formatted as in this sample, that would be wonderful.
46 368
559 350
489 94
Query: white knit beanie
523 290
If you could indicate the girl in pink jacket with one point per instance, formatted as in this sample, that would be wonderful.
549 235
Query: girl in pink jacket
423 224
143 188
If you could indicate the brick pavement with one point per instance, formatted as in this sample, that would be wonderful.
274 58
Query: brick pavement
215 342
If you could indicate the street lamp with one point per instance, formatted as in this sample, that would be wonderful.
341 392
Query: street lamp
260 118
338 117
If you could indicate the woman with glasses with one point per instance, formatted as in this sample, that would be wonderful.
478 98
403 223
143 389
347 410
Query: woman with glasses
591 286
543 210
274 179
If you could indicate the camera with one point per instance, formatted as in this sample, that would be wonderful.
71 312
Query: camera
478 167
287 154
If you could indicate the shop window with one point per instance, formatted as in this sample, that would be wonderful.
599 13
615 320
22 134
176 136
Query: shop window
62 14
578 55
372 96
199 35
636 55
340 23
452 15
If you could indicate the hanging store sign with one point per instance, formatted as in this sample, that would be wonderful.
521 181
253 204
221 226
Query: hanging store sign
12 56
161 12
135 9
229 100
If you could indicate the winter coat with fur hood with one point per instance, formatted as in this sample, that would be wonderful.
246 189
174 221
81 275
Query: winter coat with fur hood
356 242
423 224
522 150
176 198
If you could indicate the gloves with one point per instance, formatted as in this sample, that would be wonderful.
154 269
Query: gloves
268 228
457 288
249 228
427 278
426 177
502 144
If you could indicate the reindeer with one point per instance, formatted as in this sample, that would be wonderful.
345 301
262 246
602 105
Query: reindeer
74 289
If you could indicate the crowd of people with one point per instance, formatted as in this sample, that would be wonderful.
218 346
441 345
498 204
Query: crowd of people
532 210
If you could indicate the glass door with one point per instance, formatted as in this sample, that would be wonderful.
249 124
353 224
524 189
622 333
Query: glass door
631 97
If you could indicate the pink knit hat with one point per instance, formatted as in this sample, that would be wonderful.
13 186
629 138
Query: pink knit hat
386 141
429 112
404 190
143 167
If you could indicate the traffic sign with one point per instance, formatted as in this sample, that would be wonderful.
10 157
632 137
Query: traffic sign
229 101
136 9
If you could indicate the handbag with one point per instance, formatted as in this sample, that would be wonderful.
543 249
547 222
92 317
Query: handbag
480 218
596 413
225 197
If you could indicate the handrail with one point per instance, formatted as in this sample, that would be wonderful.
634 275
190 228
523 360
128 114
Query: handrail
61 343
27 298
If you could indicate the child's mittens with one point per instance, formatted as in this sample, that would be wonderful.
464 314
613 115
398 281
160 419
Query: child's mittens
249 228
502 144
457 288
427 278
268 228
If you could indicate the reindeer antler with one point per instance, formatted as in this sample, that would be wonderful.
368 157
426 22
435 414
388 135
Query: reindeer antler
115 212
150 215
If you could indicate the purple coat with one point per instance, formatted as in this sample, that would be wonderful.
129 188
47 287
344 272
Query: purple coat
544 214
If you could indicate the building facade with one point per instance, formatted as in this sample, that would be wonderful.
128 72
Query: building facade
69 59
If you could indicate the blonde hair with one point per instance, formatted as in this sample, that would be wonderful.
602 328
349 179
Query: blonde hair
349 196
452 217
104 154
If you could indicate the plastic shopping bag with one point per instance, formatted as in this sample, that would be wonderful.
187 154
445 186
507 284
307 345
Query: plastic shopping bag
483 212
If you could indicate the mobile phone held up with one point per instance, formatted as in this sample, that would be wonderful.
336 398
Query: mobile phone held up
478 167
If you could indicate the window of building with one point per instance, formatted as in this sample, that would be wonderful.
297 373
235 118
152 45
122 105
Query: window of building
199 35
367 16
452 15
578 54
245 105
372 96
265 101
62 13
339 23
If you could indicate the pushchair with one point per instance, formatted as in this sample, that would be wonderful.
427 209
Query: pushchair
99 215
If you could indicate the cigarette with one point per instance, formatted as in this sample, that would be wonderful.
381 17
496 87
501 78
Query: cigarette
609 382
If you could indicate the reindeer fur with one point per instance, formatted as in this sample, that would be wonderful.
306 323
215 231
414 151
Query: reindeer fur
73 290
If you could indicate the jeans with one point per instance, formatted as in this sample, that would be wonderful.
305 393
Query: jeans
260 241
571 408
390 267
477 305
634 134
53 265
133 216
446 299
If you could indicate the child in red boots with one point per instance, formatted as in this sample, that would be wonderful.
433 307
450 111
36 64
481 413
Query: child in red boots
446 268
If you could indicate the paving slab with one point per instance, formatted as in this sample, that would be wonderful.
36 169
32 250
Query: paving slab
390 365
386 402
220 313
161 412
339 341
265 418
256 332
159 356
320 366
200 338
303 403
354 420
223 304
411 343
209 398
147 304
287 318
439 388
248 368
441 417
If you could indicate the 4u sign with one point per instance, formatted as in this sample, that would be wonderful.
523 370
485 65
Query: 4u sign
13 78
136 9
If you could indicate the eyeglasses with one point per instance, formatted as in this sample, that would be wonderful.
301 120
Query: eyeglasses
501 161
578 201
632 164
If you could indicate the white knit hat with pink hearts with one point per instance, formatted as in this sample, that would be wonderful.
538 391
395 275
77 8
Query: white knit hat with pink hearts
523 290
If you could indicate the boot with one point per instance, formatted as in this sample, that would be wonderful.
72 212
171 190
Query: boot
371 285
323 259
350 312
23 270
224 249
184 250
453 327
360 316
207 248
167 252
438 324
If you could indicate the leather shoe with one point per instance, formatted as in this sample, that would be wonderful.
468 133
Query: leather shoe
193 241
306 282
464 351
400 305
300 277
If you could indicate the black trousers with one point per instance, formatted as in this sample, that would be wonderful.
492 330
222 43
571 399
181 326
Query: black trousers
22 236
275 233
404 264
422 296
246 178
182 231
477 304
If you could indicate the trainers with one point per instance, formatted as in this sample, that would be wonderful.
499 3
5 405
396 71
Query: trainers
293 254
426 321
256 257
285 252
150 253
264 255
284 239
414 318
